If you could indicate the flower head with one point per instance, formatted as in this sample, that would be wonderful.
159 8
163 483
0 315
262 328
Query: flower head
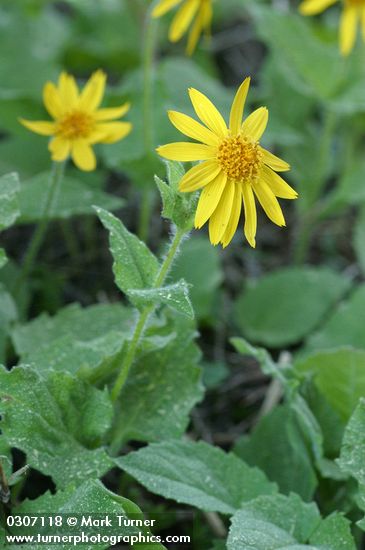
353 13
197 13
78 123
234 170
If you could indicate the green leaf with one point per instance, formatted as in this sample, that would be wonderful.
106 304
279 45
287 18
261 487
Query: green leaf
58 421
358 238
8 315
77 340
352 458
287 523
334 533
134 267
197 474
168 197
339 375
92 498
9 206
178 207
345 327
283 307
163 386
176 296
75 198
278 447
199 265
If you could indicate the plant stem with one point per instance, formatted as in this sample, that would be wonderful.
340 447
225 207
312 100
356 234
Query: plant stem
38 235
144 316
308 220
150 33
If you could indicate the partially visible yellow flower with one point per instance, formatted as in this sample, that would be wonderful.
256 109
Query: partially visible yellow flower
78 122
196 12
234 170
353 14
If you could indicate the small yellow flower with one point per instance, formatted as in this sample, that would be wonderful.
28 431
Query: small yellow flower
197 12
353 13
234 169
78 122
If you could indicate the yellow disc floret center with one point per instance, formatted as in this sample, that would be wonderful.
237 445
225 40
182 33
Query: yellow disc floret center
74 125
240 158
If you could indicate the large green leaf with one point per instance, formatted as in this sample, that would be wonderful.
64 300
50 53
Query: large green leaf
345 327
339 375
278 447
9 205
197 474
135 267
176 296
58 421
352 458
287 523
283 307
74 198
76 339
89 499
163 386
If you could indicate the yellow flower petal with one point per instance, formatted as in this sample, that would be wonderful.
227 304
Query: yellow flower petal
39 127
192 128
185 152
83 155
164 6
277 185
60 149
235 216
182 19
220 218
208 113
348 25
110 132
51 100
209 199
202 22
194 35
273 161
198 176
235 119
109 113
312 7
93 92
250 214
255 124
68 91
269 203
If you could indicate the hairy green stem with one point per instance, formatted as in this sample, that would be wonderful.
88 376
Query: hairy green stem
144 316
40 231
150 33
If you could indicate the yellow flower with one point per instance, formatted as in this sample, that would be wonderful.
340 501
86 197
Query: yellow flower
353 13
78 122
234 169
197 12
